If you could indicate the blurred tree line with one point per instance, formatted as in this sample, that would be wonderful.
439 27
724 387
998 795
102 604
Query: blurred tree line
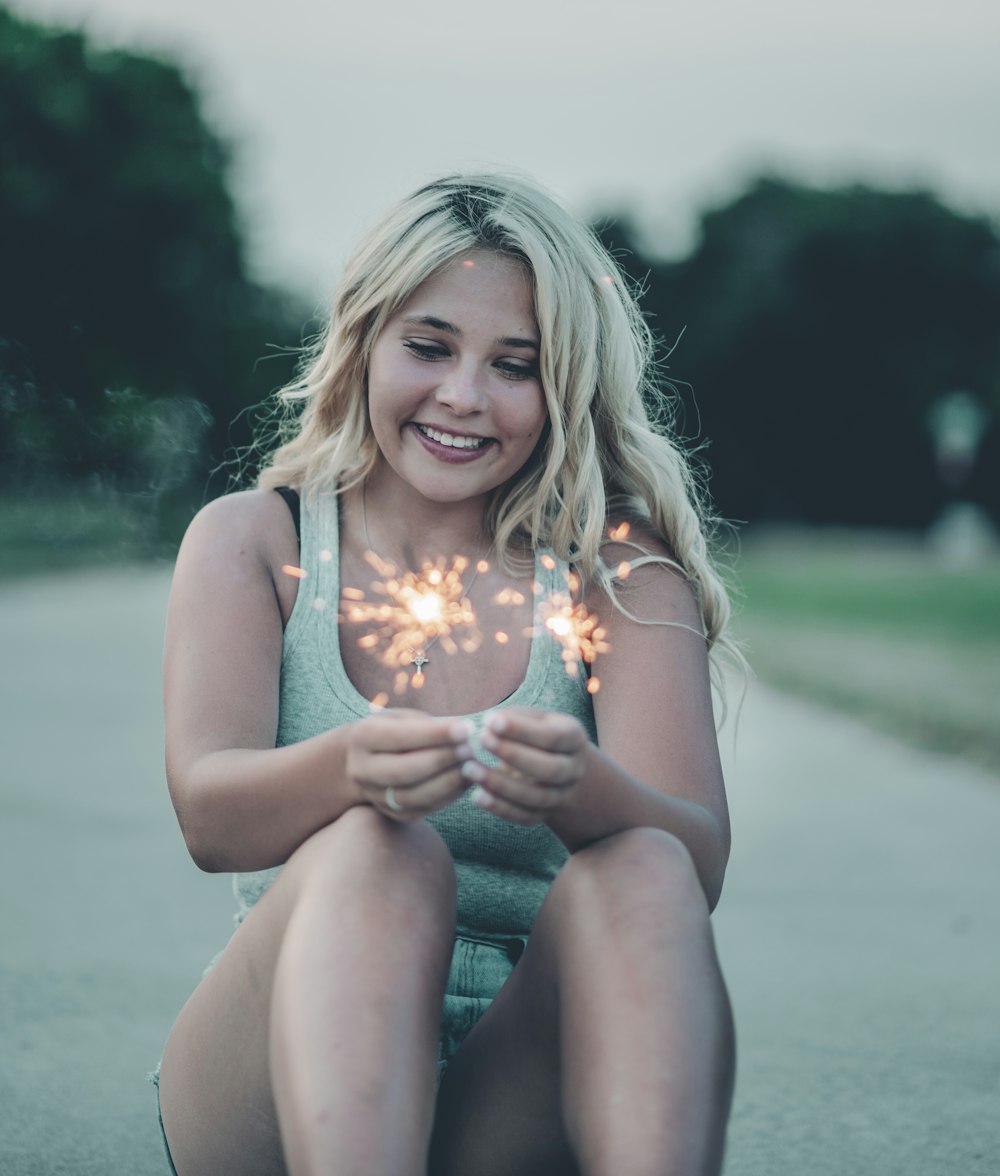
822 330
130 332
824 335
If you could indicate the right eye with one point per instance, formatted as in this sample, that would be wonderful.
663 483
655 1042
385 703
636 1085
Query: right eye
429 351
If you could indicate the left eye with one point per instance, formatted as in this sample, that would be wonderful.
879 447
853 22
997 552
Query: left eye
516 371
426 350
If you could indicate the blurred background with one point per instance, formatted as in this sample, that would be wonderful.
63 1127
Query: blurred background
807 198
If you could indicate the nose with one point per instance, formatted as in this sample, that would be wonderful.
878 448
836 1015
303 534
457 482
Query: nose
461 390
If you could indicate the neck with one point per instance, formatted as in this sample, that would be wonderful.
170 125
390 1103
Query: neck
410 531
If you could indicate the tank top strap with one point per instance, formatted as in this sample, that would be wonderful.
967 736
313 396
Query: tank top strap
318 559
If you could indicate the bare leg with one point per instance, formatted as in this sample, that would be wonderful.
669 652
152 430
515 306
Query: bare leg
610 1050
311 1045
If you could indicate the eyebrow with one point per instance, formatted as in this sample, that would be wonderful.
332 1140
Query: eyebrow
429 320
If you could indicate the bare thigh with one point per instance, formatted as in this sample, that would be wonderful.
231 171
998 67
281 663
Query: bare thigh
585 1028
216 1096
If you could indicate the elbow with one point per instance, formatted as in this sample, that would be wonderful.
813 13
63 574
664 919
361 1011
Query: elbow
712 874
202 847
196 828
712 886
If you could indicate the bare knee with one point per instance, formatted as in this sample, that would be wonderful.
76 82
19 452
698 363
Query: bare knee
366 851
640 874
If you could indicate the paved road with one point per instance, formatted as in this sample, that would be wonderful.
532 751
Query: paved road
860 929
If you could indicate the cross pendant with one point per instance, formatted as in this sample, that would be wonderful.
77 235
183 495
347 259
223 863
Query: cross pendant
419 659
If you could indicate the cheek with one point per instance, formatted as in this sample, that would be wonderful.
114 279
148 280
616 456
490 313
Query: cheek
536 415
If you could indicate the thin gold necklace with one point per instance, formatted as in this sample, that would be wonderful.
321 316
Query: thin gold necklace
418 655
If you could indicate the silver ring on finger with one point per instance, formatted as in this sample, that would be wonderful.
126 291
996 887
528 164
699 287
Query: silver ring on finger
391 803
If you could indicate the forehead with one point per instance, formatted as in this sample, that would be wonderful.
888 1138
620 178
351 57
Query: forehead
477 285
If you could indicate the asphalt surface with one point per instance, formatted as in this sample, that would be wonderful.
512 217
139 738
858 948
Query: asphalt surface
859 930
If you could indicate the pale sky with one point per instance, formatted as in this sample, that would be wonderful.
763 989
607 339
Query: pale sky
338 108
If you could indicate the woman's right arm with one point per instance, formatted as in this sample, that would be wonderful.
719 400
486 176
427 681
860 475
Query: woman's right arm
242 803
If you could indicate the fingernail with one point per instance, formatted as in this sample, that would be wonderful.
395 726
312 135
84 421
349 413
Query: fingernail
460 732
496 723
464 751
481 797
488 740
473 770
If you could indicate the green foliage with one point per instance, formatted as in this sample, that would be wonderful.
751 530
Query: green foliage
821 326
129 329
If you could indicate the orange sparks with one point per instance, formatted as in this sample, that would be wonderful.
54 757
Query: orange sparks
379 702
619 533
500 637
624 570
593 685
509 596
482 567
548 562
292 570
415 609
575 628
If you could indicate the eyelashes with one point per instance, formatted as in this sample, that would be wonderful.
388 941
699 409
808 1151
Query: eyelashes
426 351
433 352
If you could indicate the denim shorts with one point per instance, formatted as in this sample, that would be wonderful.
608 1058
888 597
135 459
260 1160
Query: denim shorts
479 968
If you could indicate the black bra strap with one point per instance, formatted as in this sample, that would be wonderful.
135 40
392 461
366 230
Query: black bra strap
291 498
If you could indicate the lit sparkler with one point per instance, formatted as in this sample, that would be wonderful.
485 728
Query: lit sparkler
417 610
576 629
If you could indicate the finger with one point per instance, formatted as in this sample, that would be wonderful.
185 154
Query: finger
528 795
411 731
409 804
409 769
543 729
507 810
545 766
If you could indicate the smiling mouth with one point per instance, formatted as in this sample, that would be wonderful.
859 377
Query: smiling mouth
450 439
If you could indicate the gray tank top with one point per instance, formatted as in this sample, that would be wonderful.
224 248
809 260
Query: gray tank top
503 870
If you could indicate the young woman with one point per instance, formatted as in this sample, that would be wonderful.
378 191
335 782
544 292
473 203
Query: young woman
474 883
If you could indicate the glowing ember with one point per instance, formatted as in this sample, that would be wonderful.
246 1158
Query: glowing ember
379 702
292 570
620 532
576 629
624 570
415 609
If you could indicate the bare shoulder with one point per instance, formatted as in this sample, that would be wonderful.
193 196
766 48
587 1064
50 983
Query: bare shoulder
247 525
650 583
245 517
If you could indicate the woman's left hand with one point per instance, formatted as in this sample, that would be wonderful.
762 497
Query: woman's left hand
542 760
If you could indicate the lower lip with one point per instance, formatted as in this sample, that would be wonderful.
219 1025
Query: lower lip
451 453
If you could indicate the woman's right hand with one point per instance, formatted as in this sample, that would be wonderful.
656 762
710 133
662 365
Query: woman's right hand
406 763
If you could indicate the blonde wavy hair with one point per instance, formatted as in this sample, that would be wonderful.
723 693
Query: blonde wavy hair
603 459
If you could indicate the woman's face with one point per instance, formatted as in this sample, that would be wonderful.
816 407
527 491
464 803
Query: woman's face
454 393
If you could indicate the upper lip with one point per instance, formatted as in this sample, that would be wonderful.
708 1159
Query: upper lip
451 431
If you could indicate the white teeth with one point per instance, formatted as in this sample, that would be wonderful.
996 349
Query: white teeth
450 439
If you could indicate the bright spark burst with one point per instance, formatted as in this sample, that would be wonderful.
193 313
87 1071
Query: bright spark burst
576 629
416 608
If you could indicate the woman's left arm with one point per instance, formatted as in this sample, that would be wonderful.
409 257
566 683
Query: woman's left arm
657 763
